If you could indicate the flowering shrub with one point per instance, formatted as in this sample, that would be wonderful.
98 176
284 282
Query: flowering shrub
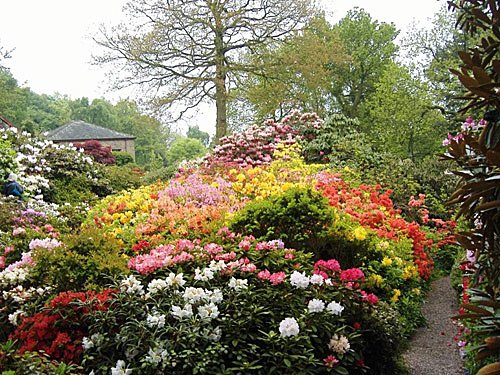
193 296
256 144
173 321
59 329
40 162
374 210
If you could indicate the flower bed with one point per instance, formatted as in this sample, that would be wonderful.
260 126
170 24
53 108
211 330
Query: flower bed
191 296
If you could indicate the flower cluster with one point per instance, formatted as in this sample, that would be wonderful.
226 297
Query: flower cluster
59 329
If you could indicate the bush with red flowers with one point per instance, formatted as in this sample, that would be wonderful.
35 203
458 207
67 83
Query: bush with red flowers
59 328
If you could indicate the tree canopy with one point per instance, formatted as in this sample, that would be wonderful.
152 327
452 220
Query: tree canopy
184 52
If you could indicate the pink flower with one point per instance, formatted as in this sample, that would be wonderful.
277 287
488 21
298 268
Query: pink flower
330 361
248 268
8 249
277 278
226 257
2 262
184 245
264 275
329 265
17 231
289 256
213 248
371 298
261 246
352 274
245 245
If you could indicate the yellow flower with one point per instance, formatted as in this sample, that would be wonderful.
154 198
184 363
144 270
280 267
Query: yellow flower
416 291
398 261
360 233
386 262
395 296
383 245
125 219
241 177
375 280
409 272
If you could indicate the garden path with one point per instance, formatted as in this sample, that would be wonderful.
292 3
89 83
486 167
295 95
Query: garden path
432 350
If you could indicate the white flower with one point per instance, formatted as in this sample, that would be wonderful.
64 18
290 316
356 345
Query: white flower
120 368
157 285
87 343
238 284
155 356
13 318
340 344
217 266
317 280
179 313
316 305
193 295
299 280
155 320
92 341
208 311
289 327
214 335
205 275
131 285
214 296
335 308
174 280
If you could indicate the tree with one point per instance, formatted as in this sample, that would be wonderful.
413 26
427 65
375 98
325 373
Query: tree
194 132
298 73
371 46
188 51
4 54
431 52
184 149
402 116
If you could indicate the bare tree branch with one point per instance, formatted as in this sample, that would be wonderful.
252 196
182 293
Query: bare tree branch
188 51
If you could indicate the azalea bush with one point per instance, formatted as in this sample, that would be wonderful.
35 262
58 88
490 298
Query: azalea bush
256 144
300 217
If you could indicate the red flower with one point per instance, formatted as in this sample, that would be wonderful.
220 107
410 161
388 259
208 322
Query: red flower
330 361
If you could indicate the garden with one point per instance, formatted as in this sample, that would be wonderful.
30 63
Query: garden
253 259
301 245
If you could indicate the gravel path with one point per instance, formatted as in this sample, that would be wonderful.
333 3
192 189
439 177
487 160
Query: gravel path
432 349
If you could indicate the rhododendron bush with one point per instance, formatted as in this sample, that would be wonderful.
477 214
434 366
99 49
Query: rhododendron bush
189 295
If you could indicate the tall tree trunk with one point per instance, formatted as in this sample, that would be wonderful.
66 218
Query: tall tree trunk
221 104
220 79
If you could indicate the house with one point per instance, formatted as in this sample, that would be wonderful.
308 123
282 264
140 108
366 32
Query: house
81 131
5 124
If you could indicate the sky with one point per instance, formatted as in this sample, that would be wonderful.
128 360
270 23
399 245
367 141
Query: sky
52 45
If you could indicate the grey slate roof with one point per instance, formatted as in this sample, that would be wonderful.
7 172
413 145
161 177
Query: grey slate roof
81 130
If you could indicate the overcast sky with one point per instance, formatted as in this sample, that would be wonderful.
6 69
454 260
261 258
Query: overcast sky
52 45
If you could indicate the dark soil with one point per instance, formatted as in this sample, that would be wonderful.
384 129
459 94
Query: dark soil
432 351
